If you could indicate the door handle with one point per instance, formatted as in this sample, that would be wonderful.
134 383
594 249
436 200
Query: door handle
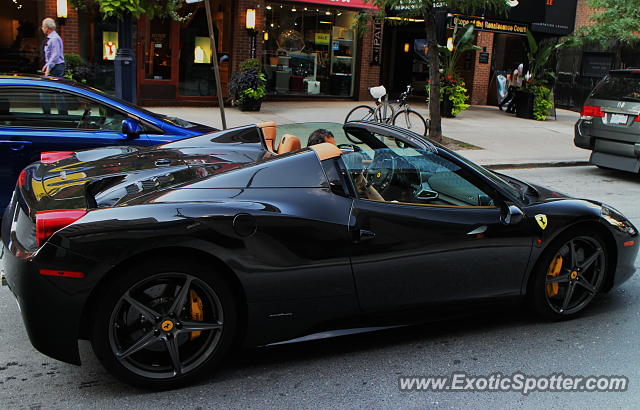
364 236
478 231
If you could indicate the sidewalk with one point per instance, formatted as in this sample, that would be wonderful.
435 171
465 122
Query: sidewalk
504 139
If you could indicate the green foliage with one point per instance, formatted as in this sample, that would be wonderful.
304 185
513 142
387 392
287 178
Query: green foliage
463 38
77 69
538 56
118 8
249 83
250 64
612 21
541 102
454 88
72 61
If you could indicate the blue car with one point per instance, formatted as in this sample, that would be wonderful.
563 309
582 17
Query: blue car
39 114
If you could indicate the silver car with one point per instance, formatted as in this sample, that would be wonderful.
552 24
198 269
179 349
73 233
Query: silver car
609 123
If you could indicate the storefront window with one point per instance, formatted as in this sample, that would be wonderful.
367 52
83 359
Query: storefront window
309 50
105 47
21 40
196 70
157 64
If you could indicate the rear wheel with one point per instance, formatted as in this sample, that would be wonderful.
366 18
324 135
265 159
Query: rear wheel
570 275
412 121
163 323
361 113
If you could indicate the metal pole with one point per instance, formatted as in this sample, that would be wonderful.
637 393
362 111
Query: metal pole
216 70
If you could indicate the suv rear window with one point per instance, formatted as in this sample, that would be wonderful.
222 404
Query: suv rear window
618 86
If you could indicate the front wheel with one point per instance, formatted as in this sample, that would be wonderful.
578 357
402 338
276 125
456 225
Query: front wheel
361 113
412 121
162 324
569 275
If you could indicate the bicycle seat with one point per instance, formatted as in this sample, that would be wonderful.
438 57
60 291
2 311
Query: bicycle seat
378 92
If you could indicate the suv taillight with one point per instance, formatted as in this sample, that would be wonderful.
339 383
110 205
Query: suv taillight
48 222
589 111
50 157
637 119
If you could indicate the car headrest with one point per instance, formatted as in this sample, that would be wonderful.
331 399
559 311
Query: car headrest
326 150
269 132
289 143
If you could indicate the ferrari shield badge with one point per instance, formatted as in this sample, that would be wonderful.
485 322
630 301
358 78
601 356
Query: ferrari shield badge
541 219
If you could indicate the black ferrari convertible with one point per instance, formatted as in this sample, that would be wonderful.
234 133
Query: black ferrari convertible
166 257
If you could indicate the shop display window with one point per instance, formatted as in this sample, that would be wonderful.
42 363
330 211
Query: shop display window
309 50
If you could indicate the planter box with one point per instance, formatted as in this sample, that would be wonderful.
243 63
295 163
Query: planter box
524 104
446 107
250 105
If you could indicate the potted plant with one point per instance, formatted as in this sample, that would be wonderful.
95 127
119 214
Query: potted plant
453 95
248 86
534 95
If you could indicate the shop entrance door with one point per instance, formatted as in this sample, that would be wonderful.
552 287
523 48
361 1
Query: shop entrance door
158 56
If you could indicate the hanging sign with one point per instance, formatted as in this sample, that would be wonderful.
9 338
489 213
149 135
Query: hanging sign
376 45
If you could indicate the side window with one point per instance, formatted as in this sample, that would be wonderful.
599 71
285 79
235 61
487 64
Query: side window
414 176
53 109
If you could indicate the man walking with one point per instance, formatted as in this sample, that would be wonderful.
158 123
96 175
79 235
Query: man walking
53 63
53 50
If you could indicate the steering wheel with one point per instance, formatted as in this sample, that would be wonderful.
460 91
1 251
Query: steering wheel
382 171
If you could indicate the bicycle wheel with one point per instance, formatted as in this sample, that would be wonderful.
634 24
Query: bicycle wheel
361 113
412 121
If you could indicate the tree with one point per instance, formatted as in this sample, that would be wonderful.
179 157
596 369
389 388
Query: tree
427 10
119 8
612 20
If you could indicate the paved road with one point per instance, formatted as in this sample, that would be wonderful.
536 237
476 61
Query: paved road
361 371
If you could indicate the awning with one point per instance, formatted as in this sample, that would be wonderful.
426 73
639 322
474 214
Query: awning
355 4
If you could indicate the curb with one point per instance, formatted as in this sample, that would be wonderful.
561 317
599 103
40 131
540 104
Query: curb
538 165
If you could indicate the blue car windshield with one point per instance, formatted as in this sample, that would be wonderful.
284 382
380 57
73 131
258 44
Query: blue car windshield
179 122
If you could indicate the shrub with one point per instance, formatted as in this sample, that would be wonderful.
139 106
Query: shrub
541 102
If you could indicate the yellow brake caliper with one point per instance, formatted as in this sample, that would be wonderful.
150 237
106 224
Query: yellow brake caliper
197 314
554 270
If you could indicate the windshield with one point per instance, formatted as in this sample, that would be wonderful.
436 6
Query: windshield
179 122
413 176
618 86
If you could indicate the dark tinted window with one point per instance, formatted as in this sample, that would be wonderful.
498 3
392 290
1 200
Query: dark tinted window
54 109
618 86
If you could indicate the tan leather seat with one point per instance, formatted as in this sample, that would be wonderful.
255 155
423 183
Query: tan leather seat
289 143
269 133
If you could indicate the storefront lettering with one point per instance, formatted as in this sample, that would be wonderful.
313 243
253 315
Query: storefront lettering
489 25
377 44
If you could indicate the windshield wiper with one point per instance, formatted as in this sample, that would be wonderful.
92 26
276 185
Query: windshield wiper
632 99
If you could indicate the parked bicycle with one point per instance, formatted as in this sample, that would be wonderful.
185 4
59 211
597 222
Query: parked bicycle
398 113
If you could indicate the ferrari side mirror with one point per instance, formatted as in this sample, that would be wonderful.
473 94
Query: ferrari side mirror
511 214
131 128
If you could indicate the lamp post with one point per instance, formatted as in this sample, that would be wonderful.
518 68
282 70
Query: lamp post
125 61
250 25
62 11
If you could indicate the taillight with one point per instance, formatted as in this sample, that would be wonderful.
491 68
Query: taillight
54 156
589 111
22 178
48 222
637 119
